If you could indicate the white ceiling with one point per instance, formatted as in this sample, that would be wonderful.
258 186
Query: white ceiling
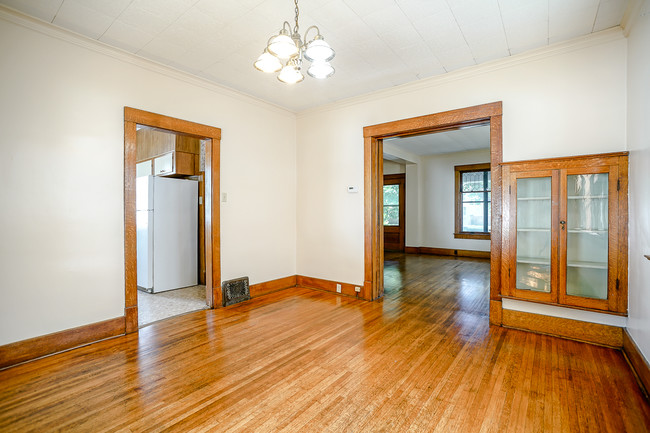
458 140
378 43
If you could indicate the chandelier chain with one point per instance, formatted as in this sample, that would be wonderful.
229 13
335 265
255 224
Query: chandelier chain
295 29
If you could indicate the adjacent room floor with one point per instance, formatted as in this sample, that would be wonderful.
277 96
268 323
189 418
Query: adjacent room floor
422 359
157 306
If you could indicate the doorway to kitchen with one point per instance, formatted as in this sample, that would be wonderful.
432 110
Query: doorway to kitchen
172 166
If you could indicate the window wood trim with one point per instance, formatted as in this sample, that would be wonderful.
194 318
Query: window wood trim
400 180
458 223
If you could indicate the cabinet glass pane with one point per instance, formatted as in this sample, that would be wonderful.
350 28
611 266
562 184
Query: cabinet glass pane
534 234
587 235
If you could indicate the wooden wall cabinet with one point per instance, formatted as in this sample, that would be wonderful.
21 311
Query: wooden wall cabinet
171 154
565 231
174 164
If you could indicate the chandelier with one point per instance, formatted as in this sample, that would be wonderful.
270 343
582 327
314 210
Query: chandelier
285 52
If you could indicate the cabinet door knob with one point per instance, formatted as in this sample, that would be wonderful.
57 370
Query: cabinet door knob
562 222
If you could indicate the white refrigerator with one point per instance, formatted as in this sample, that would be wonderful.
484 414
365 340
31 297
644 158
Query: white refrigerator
167 233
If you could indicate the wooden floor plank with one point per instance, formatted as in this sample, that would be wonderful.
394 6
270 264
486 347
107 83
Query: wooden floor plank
422 359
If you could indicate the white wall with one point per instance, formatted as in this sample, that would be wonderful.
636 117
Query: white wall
61 141
638 82
437 200
567 100
391 167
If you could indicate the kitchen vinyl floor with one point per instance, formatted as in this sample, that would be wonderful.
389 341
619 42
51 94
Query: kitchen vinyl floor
157 306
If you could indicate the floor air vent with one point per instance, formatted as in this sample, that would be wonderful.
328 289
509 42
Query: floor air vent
235 291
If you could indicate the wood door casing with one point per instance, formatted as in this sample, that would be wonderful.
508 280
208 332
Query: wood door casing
394 236
132 118
373 136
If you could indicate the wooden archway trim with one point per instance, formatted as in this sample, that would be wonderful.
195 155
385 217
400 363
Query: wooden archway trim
373 180
132 118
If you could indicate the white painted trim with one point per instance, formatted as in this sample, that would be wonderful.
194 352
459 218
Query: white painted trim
630 16
594 39
48 29
564 312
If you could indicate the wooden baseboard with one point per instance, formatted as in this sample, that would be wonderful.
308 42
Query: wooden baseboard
131 319
496 313
448 252
260 289
637 361
596 333
329 286
27 350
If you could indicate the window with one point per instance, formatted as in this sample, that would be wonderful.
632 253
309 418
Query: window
473 201
391 205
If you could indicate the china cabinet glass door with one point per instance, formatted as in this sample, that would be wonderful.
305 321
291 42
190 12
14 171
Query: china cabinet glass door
565 239
535 242
586 227
585 233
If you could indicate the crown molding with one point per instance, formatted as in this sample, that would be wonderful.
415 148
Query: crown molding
630 16
11 15
594 39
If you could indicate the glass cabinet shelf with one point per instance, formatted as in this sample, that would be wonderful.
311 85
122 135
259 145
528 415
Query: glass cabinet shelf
587 197
588 232
533 230
582 264
532 198
534 260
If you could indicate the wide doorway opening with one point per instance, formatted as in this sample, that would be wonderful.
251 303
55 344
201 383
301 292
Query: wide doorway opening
436 202
380 141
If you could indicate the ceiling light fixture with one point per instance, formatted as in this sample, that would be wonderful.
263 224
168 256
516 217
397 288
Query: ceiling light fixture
288 46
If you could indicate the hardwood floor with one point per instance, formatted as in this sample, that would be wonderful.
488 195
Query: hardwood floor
423 359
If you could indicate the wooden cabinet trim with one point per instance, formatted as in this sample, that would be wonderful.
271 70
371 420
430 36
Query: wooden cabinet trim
615 165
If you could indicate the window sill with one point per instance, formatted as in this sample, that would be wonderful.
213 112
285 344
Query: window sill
466 235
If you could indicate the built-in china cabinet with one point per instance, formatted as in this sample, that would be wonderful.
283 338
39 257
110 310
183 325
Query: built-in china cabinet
565 231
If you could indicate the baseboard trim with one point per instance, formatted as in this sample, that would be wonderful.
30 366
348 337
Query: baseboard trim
496 312
27 350
329 286
276 285
448 252
637 361
596 333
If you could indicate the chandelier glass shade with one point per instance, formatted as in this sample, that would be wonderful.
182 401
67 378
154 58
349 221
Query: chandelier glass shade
285 52
320 70
291 74
267 62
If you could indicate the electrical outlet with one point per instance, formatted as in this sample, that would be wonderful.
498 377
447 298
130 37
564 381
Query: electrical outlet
338 288
357 289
